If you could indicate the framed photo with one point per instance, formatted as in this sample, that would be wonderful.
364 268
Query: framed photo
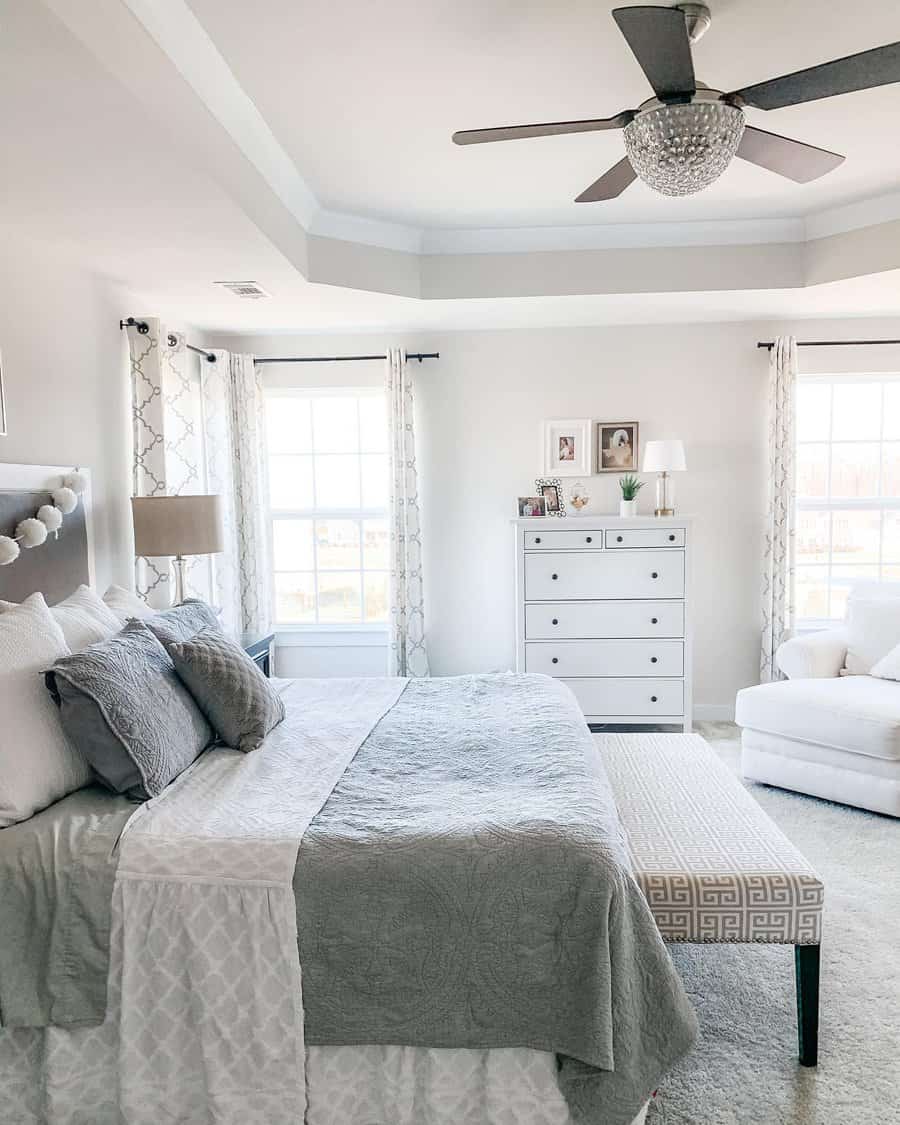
617 447
2 403
551 490
531 506
567 447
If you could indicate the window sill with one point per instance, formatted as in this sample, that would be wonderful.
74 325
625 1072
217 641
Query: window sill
331 636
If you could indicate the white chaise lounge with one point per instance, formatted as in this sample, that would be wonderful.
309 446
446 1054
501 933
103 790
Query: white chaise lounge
712 866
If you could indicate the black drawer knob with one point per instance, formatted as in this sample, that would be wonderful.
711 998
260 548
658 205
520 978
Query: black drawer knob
555 576
555 660
671 538
589 539
555 621
653 699
618 538
654 620
653 660
655 574
537 539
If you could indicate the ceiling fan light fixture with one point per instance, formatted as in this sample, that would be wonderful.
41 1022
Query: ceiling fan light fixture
682 149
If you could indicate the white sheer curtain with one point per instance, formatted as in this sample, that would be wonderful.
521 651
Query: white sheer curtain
235 449
778 557
407 656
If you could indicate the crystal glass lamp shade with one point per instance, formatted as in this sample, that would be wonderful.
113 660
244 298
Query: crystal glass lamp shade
680 149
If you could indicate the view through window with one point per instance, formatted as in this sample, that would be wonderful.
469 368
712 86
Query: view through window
328 492
848 489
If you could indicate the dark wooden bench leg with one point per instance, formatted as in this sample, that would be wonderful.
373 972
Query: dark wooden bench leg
806 966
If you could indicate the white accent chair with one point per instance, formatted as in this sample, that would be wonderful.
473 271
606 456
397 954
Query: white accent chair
822 733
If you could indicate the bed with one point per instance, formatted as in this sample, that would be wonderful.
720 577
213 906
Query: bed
413 904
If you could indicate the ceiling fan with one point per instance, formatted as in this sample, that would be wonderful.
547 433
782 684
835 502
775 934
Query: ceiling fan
683 139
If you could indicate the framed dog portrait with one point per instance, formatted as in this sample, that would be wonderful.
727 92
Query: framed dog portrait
617 447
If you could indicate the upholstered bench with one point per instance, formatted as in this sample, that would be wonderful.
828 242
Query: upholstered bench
712 865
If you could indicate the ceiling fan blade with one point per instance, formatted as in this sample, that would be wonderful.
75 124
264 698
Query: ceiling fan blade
864 71
548 129
610 184
659 39
798 161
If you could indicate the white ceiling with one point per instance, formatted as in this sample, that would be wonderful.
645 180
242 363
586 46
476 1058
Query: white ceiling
364 97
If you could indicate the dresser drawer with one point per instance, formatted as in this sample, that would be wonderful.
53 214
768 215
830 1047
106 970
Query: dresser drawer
557 576
563 540
561 620
625 699
605 658
645 537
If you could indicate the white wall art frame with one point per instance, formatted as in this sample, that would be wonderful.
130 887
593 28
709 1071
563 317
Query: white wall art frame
566 447
2 402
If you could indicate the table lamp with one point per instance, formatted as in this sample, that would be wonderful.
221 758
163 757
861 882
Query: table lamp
177 526
664 457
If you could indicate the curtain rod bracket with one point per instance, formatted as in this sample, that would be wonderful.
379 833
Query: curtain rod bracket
141 325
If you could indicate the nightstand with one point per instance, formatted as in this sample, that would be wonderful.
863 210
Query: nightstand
259 648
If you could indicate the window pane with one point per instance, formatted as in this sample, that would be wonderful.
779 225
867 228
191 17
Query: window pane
335 428
857 411
372 424
854 469
295 598
376 546
376 597
890 551
811 591
374 480
287 424
855 537
337 544
292 543
843 579
340 597
290 482
337 481
812 471
813 411
838 604
890 470
892 409
813 534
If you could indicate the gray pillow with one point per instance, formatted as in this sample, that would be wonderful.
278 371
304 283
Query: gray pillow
235 696
122 705
183 621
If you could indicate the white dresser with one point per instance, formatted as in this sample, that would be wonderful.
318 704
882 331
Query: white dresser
602 603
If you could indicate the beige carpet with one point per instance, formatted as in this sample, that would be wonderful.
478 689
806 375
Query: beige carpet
745 1068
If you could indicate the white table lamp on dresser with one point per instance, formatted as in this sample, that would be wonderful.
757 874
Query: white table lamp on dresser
603 604
664 457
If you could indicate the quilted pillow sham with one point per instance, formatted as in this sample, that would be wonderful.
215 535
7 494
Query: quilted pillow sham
182 621
240 703
126 710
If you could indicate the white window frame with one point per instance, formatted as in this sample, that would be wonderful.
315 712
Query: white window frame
845 504
355 634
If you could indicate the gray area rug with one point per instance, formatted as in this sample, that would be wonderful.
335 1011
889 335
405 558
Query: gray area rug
745 1068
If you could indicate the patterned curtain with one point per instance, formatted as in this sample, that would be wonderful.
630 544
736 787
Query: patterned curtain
778 559
407 622
168 457
234 434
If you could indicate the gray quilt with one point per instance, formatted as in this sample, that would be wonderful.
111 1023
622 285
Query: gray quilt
467 885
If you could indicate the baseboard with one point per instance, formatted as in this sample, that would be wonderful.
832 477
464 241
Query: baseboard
714 712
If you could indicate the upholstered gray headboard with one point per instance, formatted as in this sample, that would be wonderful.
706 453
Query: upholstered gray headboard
65 560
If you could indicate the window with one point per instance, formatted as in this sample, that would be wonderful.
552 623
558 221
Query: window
848 489
328 493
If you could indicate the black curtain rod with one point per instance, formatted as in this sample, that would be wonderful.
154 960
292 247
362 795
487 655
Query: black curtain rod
143 328
340 358
769 344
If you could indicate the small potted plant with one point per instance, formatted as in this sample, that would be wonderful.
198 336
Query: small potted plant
630 486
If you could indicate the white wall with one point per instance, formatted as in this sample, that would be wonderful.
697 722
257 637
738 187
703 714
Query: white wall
65 374
480 409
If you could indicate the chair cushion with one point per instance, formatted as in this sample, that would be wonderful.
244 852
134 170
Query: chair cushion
859 714
873 629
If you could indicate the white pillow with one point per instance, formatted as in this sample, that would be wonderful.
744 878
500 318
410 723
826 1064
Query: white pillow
873 629
125 604
888 668
37 763
83 618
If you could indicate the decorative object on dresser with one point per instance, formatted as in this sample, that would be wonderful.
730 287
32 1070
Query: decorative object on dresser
605 609
259 649
617 446
567 447
630 486
176 526
578 496
531 506
551 490
664 457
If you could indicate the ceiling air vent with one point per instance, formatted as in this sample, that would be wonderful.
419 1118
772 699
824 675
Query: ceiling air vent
249 290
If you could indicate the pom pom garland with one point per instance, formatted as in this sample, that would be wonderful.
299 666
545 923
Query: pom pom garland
76 481
9 550
65 499
50 517
31 533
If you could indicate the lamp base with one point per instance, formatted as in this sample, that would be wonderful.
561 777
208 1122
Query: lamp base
664 511
179 564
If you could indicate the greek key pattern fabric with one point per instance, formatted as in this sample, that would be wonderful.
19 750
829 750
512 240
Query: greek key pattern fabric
778 553
712 865
407 653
